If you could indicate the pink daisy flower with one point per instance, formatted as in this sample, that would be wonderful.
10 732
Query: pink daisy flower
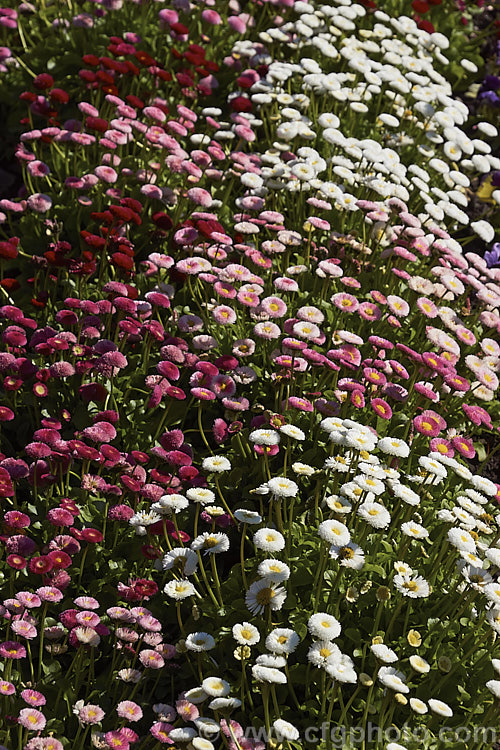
160 730
129 710
151 659
374 376
477 415
357 399
274 307
115 741
6 688
464 446
442 446
381 408
369 311
426 425
345 302
427 307
12 650
33 697
32 719
106 174
302 404
224 315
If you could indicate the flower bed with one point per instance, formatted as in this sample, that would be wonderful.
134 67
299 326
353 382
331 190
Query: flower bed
250 361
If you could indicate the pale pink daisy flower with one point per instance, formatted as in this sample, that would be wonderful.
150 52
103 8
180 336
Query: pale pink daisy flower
369 311
243 347
200 196
427 307
273 246
345 302
129 710
311 314
106 174
283 284
248 299
306 330
398 306
39 202
267 330
274 307
151 659
224 315
32 719
33 697
90 714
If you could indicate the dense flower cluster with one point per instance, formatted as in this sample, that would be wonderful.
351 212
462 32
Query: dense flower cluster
249 376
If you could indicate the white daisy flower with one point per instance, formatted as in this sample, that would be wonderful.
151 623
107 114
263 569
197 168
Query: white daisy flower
264 437
418 706
216 464
482 484
262 594
405 494
493 617
494 687
394 447
440 707
403 568
269 540
200 495
323 626
216 687
334 532
179 590
350 555
211 543
329 424
461 539
200 743
321 651
375 514
492 591
293 432
144 518
493 555
182 734
195 695
271 660
384 653
285 731
205 726
246 634
391 678
303 469
182 560
338 504
268 674
200 641
168 504
275 570
419 664
224 704
282 641
433 467
370 484
283 487
415 588
247 516
341 668
414 530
